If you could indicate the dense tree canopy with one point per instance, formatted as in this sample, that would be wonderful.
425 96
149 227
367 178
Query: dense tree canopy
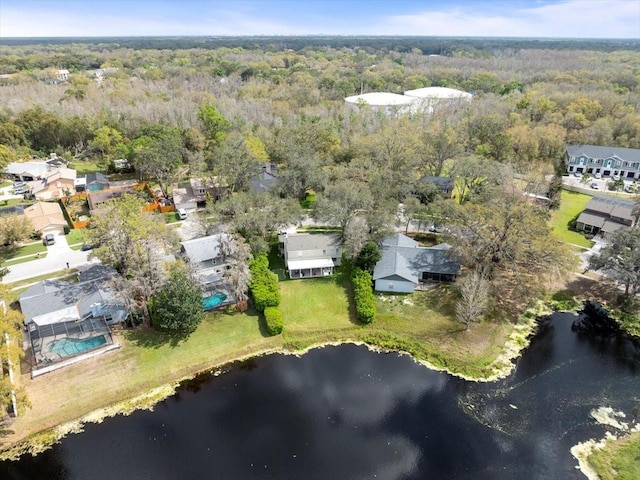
176 307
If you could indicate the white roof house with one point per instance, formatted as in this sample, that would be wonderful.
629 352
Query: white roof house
390 103
27 171
438 93
429 97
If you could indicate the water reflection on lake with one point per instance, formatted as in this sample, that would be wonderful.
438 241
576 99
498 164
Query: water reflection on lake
347 413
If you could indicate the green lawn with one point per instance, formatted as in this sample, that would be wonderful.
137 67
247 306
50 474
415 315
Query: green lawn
309 201
619 460
171 217
83 167
316 308
424 324
5 184
29 250
571 204
146 360
75 237
315 311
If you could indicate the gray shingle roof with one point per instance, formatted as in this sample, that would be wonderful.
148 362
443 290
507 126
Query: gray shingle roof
304 241
591 219
403 257
54 295
595 151
202 249
610 206
263 182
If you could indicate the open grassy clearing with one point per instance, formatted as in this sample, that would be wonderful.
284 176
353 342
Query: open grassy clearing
619 460
83 167
571 204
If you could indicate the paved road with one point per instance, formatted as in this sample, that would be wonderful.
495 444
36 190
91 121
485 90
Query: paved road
58 256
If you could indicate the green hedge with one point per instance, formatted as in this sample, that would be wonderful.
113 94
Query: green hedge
273 319
363 295
264 284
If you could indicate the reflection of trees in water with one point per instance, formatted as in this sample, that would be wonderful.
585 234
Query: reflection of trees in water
49 465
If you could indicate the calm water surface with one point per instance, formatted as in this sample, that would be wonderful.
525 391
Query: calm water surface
347 413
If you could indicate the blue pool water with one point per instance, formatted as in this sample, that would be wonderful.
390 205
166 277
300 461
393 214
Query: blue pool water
74 346
213 301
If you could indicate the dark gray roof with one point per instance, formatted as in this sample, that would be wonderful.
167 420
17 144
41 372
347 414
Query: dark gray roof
610 206
96 272
399 240
595 151
591 219
305 241
96 177
403 257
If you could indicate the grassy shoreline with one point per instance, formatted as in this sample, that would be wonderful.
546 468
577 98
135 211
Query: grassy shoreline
317 312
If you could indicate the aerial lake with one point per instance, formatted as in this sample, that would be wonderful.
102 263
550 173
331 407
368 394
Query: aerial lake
348 413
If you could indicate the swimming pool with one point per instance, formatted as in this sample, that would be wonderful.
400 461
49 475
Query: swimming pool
73 346
213 301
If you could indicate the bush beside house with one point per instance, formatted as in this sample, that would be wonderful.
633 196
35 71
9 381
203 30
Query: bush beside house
363 295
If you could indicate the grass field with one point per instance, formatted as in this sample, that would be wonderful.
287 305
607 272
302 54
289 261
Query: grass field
571 204
619 460
83 167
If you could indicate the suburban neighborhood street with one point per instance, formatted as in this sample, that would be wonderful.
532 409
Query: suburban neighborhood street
58 255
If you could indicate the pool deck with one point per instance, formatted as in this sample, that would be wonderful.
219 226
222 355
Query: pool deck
36 372
215 288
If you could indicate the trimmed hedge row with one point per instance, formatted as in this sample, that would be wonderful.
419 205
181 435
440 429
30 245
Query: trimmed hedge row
266 293
264 284
363 295
273 319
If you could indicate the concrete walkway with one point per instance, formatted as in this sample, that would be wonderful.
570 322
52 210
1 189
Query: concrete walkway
58 256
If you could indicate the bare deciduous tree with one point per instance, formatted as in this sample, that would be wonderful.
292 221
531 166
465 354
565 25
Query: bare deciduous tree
474 298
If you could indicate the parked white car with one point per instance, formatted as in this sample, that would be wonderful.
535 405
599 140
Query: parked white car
182 214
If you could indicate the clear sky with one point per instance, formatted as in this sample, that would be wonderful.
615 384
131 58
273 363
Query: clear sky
512 18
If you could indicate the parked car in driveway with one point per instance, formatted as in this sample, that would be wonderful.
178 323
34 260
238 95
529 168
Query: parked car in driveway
598 175
595 186
182 214
49 239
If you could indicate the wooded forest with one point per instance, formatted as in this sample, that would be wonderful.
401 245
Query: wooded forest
193 107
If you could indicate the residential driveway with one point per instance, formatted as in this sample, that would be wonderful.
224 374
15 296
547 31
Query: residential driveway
190 228
58 255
